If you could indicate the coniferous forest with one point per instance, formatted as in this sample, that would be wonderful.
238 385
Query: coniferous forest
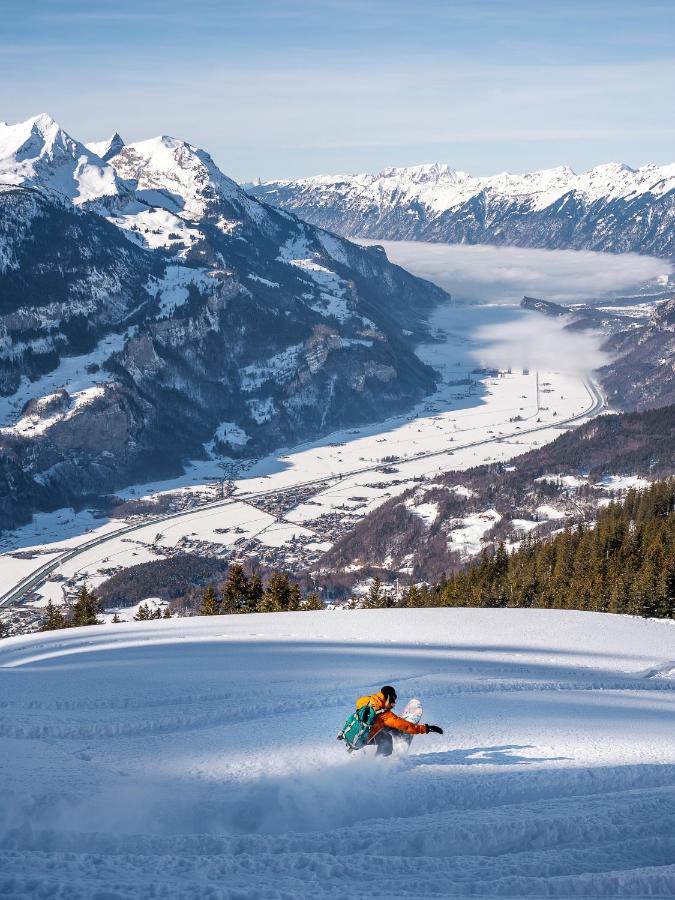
623 563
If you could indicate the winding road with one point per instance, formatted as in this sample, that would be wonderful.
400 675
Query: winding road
36 578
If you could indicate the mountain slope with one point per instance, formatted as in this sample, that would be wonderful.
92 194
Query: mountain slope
180 299
643 373
611 207
439 525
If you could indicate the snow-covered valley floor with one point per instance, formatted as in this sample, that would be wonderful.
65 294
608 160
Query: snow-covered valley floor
196 758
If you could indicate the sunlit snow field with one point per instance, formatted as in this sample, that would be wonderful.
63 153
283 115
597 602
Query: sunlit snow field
196 758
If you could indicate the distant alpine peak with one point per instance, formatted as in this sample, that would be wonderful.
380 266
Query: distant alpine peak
609 207
38 153
106 149
423 172
614 179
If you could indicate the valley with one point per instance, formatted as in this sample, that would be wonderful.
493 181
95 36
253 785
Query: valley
286 509
213 376
497 398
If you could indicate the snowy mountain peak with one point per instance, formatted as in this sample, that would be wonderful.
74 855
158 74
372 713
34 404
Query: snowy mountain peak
37 137
612 168
422 173
177 175
107 149
38 153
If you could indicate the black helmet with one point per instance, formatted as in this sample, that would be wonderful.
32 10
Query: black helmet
389 693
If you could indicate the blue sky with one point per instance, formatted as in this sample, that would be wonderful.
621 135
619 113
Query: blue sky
292 88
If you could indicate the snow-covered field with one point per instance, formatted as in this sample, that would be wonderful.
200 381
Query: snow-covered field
196 758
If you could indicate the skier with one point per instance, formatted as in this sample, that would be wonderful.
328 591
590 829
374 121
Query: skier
387 722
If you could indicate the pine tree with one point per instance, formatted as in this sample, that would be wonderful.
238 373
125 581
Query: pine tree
144 613
312 603
54 618
268 603
115 619
209 605
85 609
277 595
411 597
294 598
255 592
375 598
236 593
167 612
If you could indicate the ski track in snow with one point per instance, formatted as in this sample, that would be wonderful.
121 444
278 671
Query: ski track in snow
195 758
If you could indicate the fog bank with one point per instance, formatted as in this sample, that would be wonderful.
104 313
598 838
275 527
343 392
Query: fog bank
506 274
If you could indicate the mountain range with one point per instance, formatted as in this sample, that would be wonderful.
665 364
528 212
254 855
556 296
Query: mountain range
150 310
611 207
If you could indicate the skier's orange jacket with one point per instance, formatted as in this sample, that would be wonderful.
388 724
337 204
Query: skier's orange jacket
388 719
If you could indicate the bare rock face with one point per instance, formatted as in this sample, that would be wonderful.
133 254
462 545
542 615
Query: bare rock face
546 307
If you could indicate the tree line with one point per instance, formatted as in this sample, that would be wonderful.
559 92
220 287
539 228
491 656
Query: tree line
244 593
623 563
86 610
241 593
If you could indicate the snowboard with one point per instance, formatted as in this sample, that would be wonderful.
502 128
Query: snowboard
412 713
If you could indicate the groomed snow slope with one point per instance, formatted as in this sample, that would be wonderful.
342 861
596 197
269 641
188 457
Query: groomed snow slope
196 758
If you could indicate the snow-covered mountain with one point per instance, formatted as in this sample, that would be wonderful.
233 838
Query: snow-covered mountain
186 179
106 149
612 207
38 153
149 308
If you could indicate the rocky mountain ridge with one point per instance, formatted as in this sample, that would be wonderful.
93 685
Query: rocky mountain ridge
611 207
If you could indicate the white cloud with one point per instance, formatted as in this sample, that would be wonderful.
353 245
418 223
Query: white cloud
536 342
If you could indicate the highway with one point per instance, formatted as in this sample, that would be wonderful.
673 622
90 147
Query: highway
19 590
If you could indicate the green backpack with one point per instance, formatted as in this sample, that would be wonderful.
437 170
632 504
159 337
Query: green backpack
356 730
